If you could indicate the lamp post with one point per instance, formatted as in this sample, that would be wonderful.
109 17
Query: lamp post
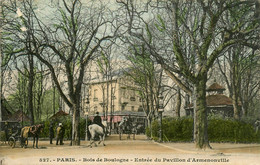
86 114
160 111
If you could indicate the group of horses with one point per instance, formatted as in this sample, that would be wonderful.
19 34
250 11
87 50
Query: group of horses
125 126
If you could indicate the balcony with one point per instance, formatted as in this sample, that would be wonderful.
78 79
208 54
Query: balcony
95 99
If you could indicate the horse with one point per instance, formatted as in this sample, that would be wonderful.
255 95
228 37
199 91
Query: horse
96 130
126 126
31 131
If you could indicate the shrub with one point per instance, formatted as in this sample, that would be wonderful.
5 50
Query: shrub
2 136
219 130
230 130
66 121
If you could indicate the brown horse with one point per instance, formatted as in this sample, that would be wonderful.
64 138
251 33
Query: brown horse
31 131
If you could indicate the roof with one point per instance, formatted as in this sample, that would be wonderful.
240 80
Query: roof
219 99
216 101
215 87
114 74
59 114
19 116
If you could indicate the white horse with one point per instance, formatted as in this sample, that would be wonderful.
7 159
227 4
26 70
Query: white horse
96 130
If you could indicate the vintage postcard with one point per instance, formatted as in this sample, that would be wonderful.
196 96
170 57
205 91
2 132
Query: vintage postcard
130 82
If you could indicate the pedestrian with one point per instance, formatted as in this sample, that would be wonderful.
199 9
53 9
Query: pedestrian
51 131
6 131
60 134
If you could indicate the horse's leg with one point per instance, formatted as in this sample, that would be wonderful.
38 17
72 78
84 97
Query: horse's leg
100 139
120 133
33 141
103 140
128 135
95 143
25 142
91 140
37 138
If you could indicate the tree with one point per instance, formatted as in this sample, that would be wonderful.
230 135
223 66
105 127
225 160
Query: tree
69 38
148 80
106 64
239 67
173 25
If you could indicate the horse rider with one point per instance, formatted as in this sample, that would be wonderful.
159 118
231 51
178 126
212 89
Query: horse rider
97 120
60 134
51 131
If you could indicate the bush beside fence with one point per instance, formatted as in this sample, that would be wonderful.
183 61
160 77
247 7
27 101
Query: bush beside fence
219 130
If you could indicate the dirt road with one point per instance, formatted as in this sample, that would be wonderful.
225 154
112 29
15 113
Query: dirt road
138 151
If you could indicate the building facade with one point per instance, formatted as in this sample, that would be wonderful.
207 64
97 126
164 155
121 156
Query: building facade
115 99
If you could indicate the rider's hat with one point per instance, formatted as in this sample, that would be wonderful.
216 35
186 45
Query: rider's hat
60 124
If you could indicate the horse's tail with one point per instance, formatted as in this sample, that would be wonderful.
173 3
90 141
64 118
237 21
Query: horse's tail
90 127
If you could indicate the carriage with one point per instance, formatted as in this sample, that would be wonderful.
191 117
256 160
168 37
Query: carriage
126 126
14 138
21 135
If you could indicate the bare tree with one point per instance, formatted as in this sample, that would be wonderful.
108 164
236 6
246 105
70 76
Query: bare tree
148 79
239 67
70 38
186 37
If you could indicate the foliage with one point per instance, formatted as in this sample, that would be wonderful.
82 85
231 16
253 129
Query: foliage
2 136
232 131
219 130
47 109
66 121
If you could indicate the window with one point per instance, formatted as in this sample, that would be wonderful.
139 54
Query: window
113 93
95 95
123 89
133 108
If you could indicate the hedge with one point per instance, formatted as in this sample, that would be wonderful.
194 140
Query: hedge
66 121
219 130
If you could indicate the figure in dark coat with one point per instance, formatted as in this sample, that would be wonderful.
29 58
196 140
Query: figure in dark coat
51 130
6 131
97 120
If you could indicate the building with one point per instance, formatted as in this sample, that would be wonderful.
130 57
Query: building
114 99
217 103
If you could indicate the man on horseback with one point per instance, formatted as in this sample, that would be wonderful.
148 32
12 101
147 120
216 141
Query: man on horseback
97 120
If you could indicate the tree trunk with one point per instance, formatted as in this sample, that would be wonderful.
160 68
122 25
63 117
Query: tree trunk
235 88
236 107
178 103
201 133
75 125
30 89
149 124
